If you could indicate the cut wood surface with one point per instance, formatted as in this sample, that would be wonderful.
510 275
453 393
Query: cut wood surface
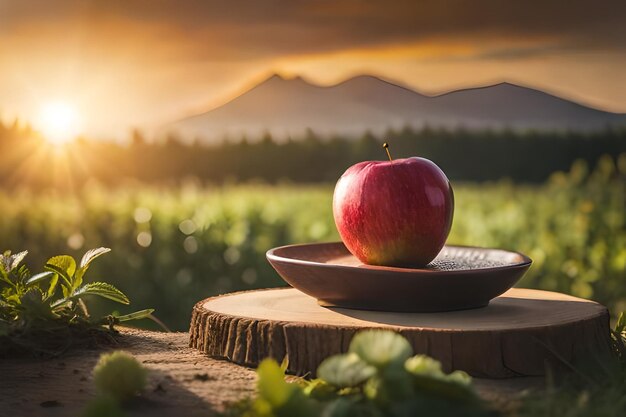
517 334
182 381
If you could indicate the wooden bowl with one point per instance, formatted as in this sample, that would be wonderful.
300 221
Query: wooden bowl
459 278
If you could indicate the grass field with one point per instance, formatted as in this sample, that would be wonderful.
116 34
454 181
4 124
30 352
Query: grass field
174 246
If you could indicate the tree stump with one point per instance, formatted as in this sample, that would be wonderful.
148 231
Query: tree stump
517 334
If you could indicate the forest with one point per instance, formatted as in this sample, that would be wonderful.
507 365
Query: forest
472 156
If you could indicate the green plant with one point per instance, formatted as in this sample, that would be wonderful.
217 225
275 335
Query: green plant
119 375
46 312
377 377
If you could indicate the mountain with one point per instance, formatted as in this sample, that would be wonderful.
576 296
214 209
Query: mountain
287 107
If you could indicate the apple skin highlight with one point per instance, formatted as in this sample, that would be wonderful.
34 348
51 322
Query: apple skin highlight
394 213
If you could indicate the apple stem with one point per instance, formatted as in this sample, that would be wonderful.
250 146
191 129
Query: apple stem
386 146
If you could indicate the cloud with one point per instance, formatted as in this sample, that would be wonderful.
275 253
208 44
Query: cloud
241 30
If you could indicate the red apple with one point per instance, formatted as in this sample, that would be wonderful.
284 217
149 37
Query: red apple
394 213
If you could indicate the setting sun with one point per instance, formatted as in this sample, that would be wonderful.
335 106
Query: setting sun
59 122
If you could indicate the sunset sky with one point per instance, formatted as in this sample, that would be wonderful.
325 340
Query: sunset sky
123 64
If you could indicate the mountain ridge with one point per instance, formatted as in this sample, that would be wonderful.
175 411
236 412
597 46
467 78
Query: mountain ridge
287 107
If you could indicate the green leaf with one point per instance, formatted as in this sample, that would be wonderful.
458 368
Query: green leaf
53 285
137 315
101 289
39 277
65 266
278 398
424 365
9 262
4 277
92 254
429 378
16 259
621 323
380 348
11 299
460 377
22 273
272 385
320 390
344 371
86 260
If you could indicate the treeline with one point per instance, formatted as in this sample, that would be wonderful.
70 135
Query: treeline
26 159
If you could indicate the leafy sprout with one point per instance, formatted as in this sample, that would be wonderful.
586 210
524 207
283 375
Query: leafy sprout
38 311
377 377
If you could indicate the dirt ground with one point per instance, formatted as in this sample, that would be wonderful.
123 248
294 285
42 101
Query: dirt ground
182 382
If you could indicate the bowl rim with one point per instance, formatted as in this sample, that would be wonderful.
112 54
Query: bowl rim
273 257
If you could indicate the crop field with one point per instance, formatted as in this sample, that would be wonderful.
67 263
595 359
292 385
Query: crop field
173 246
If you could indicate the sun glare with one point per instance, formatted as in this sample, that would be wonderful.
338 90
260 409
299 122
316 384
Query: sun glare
59 122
